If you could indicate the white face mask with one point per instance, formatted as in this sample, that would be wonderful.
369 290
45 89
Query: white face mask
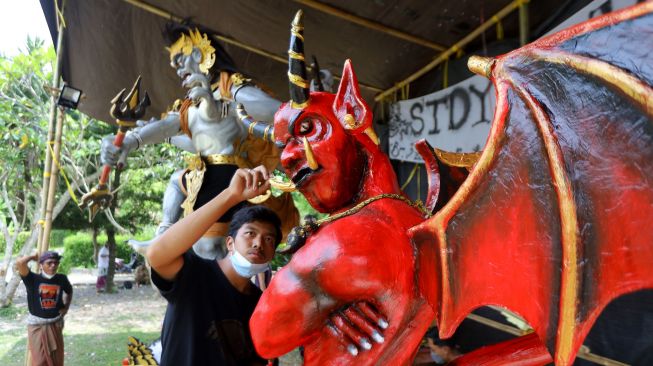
244 267
437 358
47 275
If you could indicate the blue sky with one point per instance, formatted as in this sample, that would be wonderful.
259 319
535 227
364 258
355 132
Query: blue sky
19 19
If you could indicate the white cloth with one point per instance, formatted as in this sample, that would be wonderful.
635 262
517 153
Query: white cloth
35 320
103 260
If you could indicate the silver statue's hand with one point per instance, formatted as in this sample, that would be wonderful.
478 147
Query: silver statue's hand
113 155
198 93
358 327
141 123
197 80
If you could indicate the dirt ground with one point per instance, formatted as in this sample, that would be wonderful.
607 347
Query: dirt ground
140 309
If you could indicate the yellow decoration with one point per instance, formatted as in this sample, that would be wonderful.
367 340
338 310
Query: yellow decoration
23 142
194 39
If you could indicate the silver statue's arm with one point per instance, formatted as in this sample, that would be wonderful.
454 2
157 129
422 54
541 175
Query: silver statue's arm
183 142
154 132
259 105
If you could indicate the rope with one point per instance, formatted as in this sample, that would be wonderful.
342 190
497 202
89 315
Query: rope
62 21
419 185
410 177
63 174
445 74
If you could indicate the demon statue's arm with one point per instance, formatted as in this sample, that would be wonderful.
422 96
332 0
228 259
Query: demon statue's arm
553 221
315 278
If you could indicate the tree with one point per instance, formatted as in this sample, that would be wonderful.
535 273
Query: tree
24 113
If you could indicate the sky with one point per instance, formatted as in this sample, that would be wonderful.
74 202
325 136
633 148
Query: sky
19 19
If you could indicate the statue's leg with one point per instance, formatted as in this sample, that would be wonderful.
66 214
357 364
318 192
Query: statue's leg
172 199
211 247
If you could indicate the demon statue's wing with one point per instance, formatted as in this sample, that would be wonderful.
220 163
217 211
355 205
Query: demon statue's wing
555 219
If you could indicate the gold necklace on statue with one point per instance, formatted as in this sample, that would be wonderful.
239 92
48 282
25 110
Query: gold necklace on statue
298 235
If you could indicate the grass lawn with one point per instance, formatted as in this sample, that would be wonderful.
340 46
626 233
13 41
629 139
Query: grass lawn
97 325
81 349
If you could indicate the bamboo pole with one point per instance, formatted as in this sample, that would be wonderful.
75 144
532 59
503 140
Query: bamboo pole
523 23
583 353
167 15
43 238
54 174
452 50
371 25
56 83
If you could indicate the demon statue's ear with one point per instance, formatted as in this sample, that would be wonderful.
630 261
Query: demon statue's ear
349 107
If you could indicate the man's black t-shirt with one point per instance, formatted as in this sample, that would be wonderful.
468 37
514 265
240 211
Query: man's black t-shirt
44 296
207 319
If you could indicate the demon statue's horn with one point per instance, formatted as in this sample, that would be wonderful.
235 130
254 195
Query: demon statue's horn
299 91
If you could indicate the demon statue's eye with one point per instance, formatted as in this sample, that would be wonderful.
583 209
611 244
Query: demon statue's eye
312 127
305 127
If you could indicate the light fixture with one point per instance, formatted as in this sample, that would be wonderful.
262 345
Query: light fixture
69 97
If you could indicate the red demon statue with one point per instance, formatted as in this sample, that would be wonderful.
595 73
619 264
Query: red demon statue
553 222
363 253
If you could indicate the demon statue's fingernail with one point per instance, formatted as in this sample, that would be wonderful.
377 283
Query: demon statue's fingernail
366 344
383 323
378 338
352 350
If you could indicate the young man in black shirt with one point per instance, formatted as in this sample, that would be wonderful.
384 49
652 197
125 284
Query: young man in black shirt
210 301
49 295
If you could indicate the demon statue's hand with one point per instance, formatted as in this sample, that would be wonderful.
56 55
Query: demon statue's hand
356 325
113 155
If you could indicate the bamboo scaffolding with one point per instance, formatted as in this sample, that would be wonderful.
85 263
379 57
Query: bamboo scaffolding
56 83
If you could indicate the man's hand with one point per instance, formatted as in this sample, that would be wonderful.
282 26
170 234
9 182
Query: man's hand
249 183
355 325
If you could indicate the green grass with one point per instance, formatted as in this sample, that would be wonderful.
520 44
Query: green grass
97 349
12 312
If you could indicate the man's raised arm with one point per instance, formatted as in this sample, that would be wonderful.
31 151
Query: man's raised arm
166 253
21 263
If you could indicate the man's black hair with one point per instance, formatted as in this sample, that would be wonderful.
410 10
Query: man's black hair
223 61
255 213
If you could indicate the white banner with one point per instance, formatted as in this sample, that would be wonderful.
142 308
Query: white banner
458 118
453 119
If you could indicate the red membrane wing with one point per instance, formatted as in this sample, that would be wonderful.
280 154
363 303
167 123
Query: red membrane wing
555 220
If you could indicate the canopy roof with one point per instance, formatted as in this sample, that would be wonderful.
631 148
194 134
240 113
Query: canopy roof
108 43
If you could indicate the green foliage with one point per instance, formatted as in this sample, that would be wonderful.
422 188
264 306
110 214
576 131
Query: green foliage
78 249
20 241
12 312
278 261
56 240
57 237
